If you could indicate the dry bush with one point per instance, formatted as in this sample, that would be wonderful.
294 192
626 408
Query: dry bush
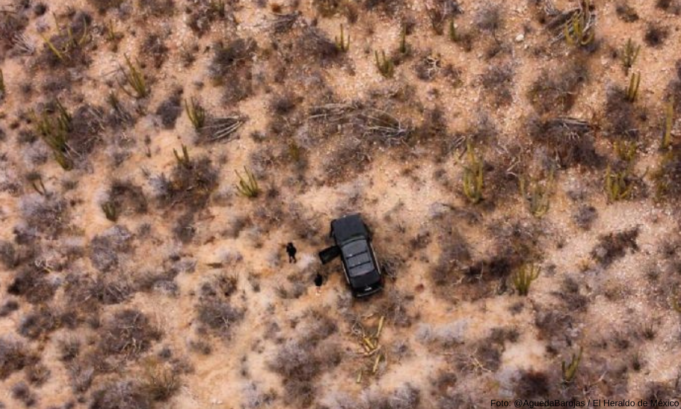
390 7
12 25
68 348
621 116
22 392
157 8
557 92
626 12
128 333
76 56
39 323
87 124
404 397
14 356
8 308
232 61
126 196
656 35
122 394
441 12
570 141
159 381
453 259
188 186
89 294
614 246
532 384
584 216
674 88
170 109
105 247
219 316
498 80
104 5
204 13
313 45
489 17
32 284
8 255
154 51
46 215
37 374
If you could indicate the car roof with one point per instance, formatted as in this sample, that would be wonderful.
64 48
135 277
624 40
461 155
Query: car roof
348 227
358 258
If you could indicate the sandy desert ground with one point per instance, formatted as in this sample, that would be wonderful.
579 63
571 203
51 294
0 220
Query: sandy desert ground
480 140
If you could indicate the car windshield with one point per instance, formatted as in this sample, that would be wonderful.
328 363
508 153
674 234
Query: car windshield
357 258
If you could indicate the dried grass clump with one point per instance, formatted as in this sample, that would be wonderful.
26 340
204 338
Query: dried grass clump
104 5
33 284
231 62
122 394
557 92
219 316
14 356
190 185
128 333
39 323
498 81
569 140
44 215
614 246
105 248
170 109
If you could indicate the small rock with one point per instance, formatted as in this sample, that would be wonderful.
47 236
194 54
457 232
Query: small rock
520 38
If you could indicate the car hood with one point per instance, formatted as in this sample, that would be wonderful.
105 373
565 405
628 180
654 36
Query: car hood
349 227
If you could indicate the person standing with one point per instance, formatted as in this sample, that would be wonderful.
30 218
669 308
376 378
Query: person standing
318 281
291 250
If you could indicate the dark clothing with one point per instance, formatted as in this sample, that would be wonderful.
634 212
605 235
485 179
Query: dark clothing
318 280
291 251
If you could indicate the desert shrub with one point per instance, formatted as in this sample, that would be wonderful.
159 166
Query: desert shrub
37 374
489 17
557 92
103 5
441 12
105 247
157 8
8 307
498 80
453 257
8 255
614 246
128 333
40 323
389 7
14 356
184 228
170 109
68 349
33 284
22 392
626 13
570 141
584 216
103 289
404 397
85 129
671 6
70 46
532 384
227 60
667 176
125 195
46 215
314 45
621 116
656 35
190 185
220 316
119 395
155 51
160 381
203 14
12 25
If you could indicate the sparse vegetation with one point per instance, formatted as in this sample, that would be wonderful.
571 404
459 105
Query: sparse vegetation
134 79
570 370
523 278
632 90
385 65
196 113
579 30
537 194
630 54
618 184
343 43
473 176
248 185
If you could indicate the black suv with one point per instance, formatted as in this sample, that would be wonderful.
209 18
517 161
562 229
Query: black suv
353 244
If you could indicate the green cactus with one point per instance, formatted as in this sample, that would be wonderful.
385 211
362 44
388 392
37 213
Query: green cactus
632 90
248 186
617 184
385 65
570 370
342 44
196 113
629 54
523 278
473 176
183 160
135 79
110 210
537 194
